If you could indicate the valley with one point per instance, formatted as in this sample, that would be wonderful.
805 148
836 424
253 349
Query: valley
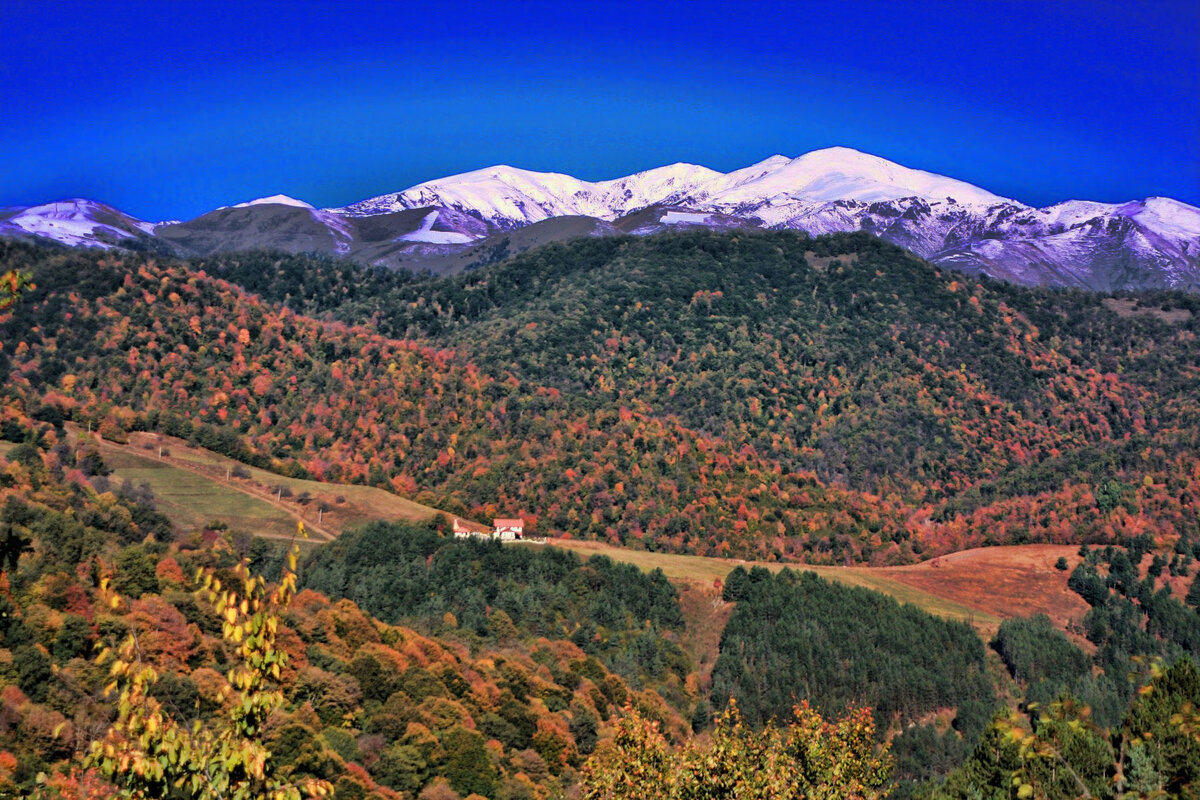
566 401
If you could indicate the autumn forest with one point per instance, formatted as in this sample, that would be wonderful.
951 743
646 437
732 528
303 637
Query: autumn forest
767 397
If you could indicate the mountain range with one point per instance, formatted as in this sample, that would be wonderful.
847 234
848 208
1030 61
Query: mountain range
477 218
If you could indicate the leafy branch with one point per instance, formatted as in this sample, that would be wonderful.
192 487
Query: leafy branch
150 754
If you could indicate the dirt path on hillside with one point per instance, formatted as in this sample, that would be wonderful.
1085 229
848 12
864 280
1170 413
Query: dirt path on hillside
216 476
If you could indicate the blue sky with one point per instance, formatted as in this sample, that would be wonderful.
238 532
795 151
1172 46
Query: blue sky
169 109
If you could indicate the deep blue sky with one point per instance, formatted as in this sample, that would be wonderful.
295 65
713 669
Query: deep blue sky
169 109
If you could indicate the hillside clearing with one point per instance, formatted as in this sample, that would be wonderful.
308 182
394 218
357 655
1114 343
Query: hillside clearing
1017 580
193 487
705 570
194 501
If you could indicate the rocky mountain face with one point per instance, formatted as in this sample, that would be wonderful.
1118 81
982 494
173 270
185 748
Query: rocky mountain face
480 217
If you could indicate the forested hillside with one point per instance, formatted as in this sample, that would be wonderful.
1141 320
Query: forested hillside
1118 722
627 619
377 709
830 399
1003 414
794 637
124 345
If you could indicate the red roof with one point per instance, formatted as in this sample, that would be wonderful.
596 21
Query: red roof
508 523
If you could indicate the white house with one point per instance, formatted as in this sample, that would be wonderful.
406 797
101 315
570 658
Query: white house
507 530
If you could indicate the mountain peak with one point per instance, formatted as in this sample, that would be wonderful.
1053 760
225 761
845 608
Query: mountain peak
840 151
843 173
275 200
776 160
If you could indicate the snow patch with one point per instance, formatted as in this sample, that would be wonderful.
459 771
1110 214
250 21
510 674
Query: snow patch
425 233
684 218
275 200
72 222
1166 217
339 228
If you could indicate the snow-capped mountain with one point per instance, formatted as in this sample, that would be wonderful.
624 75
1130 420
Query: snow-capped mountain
470 219
275 200
75 222
840 173
508 197
1150 243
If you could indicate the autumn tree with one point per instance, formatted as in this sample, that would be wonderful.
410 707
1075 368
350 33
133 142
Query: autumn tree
147 753
12 284
1057 751
809 758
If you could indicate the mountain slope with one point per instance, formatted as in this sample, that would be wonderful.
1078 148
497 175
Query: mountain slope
987 406
1150 243
191 356
759 394
76 222
841 173
280 226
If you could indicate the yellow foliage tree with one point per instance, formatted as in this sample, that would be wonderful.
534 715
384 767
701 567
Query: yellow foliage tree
149 754
12 284
809 758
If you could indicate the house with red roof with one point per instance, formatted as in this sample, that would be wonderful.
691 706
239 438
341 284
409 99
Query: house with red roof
507 530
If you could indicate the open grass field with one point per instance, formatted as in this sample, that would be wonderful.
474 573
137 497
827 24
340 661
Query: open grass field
359 503
705 570
193 486
191 501
980 587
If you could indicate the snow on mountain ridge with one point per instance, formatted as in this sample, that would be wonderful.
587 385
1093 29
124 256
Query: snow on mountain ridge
508 196
504 194
276 199
842 173
77 222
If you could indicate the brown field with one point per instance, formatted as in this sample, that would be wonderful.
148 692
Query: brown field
980 587
705 614
1014 581
1129 307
